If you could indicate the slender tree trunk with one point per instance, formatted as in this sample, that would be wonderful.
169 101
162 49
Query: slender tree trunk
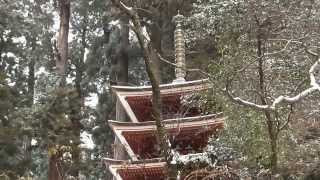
269 119
274 153
155 39
151 67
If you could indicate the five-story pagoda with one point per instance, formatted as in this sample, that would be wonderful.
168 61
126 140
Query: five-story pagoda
136 151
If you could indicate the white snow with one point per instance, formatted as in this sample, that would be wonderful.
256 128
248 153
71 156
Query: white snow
86 52
33 142
91 100
41 71
86 140
115 23
185 159
10 54
20 39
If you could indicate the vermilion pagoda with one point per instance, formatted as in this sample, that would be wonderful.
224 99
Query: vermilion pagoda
136 152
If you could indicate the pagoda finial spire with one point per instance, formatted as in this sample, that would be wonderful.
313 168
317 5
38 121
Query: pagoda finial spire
179 45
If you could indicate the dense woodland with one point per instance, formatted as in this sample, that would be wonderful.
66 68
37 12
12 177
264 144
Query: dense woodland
58 59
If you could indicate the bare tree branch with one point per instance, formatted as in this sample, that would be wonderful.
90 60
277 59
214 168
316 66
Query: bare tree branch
186 69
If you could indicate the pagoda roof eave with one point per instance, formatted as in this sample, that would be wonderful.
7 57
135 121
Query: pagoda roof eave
218 117
162 86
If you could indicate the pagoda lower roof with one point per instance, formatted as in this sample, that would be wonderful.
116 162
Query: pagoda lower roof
190 126
187 121
126 170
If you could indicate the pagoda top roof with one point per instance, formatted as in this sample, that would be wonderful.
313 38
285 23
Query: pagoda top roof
130 95
162 86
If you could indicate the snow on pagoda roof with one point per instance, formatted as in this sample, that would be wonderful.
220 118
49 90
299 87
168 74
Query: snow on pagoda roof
150 166
206 123
146 167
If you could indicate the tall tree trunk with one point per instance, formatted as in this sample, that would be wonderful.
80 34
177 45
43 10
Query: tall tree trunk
62 58
151 67
77 104
55 169
147 51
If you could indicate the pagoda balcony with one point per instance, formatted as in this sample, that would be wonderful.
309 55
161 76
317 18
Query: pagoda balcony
186 135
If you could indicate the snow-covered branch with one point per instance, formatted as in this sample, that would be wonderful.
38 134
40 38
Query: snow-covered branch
243 102
123 7
314 86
